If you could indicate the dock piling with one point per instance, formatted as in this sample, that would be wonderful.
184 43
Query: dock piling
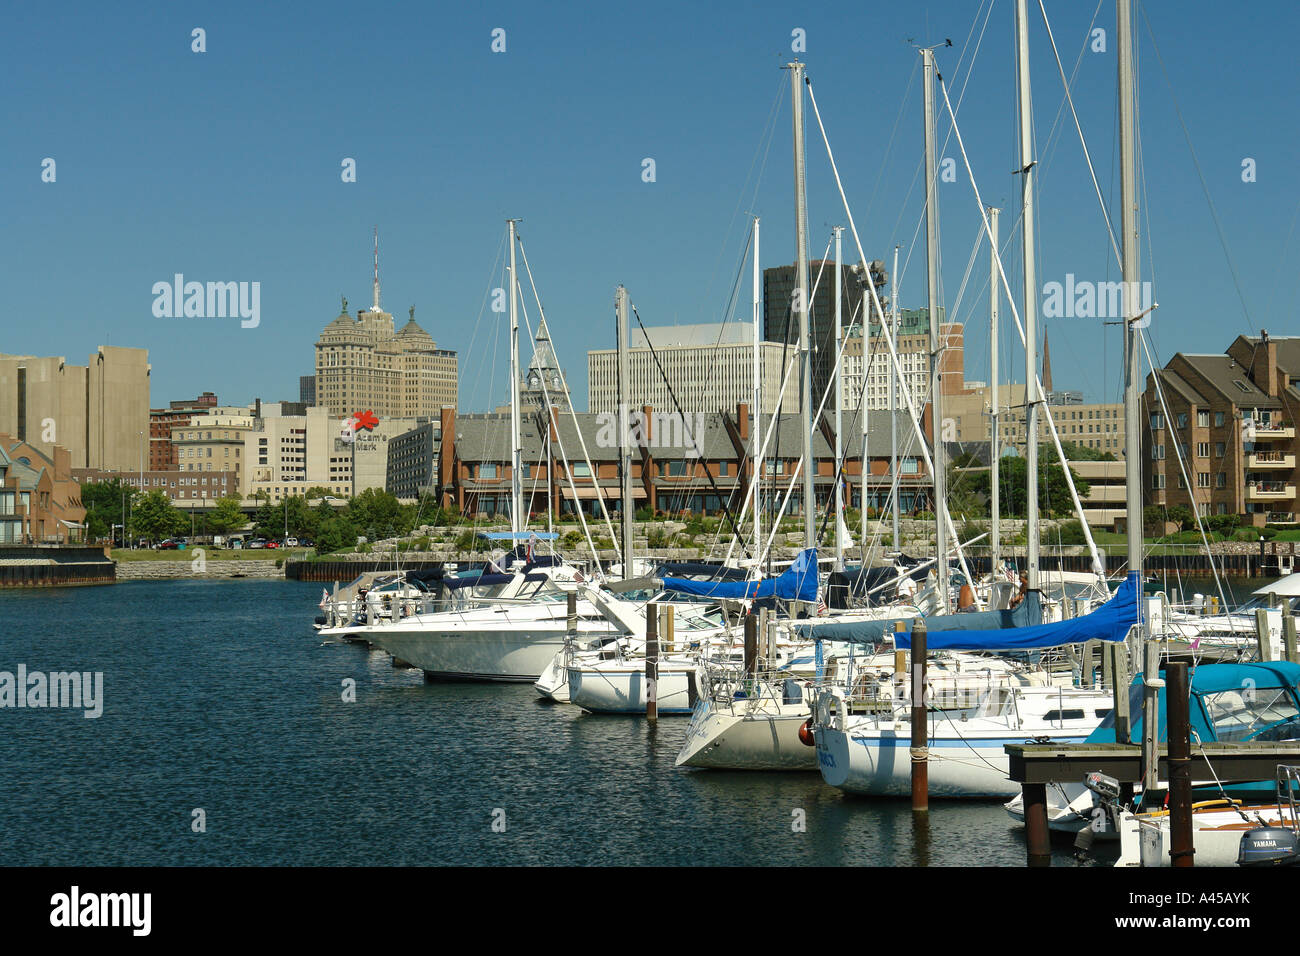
1289 639
1181 848
920 751
652 662
1261 634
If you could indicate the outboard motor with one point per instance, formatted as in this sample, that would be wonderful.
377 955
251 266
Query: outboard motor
1269 846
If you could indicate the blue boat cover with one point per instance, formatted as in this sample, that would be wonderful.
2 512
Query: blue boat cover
1110 622
796 583
1019 629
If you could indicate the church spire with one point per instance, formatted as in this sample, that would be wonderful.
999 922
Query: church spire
1047 366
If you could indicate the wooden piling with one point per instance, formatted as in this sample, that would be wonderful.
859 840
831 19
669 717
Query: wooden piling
920 751
1289 639
571 616
652 662
751 645
1261 634
1038 842
1181 849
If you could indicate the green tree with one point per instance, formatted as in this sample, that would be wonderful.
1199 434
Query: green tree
1053 492
106 503
378 514
336 532
154 517
227 517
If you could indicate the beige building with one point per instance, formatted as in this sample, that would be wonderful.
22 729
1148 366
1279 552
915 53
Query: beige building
1099 426
710 367
215 442
365 364
98 411
912 342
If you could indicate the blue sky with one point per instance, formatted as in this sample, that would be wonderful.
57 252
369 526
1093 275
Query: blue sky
225 166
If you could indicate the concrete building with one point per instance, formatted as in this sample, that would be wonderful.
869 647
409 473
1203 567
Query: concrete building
709 366
1233 417
365 364
413 462
99 412
40 500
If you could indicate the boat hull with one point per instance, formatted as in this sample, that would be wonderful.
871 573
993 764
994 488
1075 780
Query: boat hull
623 689
720 738
879 763
518 654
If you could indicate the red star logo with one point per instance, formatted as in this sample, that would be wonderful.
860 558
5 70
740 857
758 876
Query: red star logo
366 420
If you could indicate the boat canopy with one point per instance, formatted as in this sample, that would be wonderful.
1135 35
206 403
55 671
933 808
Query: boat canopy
1230 702
796 583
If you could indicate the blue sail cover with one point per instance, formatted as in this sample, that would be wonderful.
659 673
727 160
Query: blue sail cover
796 583
1110 622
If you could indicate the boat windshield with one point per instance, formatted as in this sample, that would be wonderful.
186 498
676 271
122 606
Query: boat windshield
1253 713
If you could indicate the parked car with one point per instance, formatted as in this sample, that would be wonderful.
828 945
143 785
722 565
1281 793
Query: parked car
306 543
166 545
291 542
273 544
257 543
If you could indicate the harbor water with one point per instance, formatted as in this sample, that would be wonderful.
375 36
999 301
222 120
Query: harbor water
228 737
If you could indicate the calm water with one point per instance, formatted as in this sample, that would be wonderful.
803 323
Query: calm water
219 696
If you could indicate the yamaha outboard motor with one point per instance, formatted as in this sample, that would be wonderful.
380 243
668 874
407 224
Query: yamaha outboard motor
1269 846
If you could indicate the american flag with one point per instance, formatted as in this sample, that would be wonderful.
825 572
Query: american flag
822 609
324 597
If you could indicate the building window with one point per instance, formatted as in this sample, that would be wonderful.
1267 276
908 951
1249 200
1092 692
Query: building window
1202 419
1157 421
1158 452
1218 419
1158 482
1202 479
1220 448
1182 419
487 470
1220 480
1202 449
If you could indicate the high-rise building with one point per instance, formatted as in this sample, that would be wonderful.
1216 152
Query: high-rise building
99 411
365 364
307 389
781 323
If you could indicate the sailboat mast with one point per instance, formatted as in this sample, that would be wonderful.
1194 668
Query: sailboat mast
756 419
1129 257
995 443
624 446
940 476
1032 396
893 401
516 445
800 303
835 390
864 404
